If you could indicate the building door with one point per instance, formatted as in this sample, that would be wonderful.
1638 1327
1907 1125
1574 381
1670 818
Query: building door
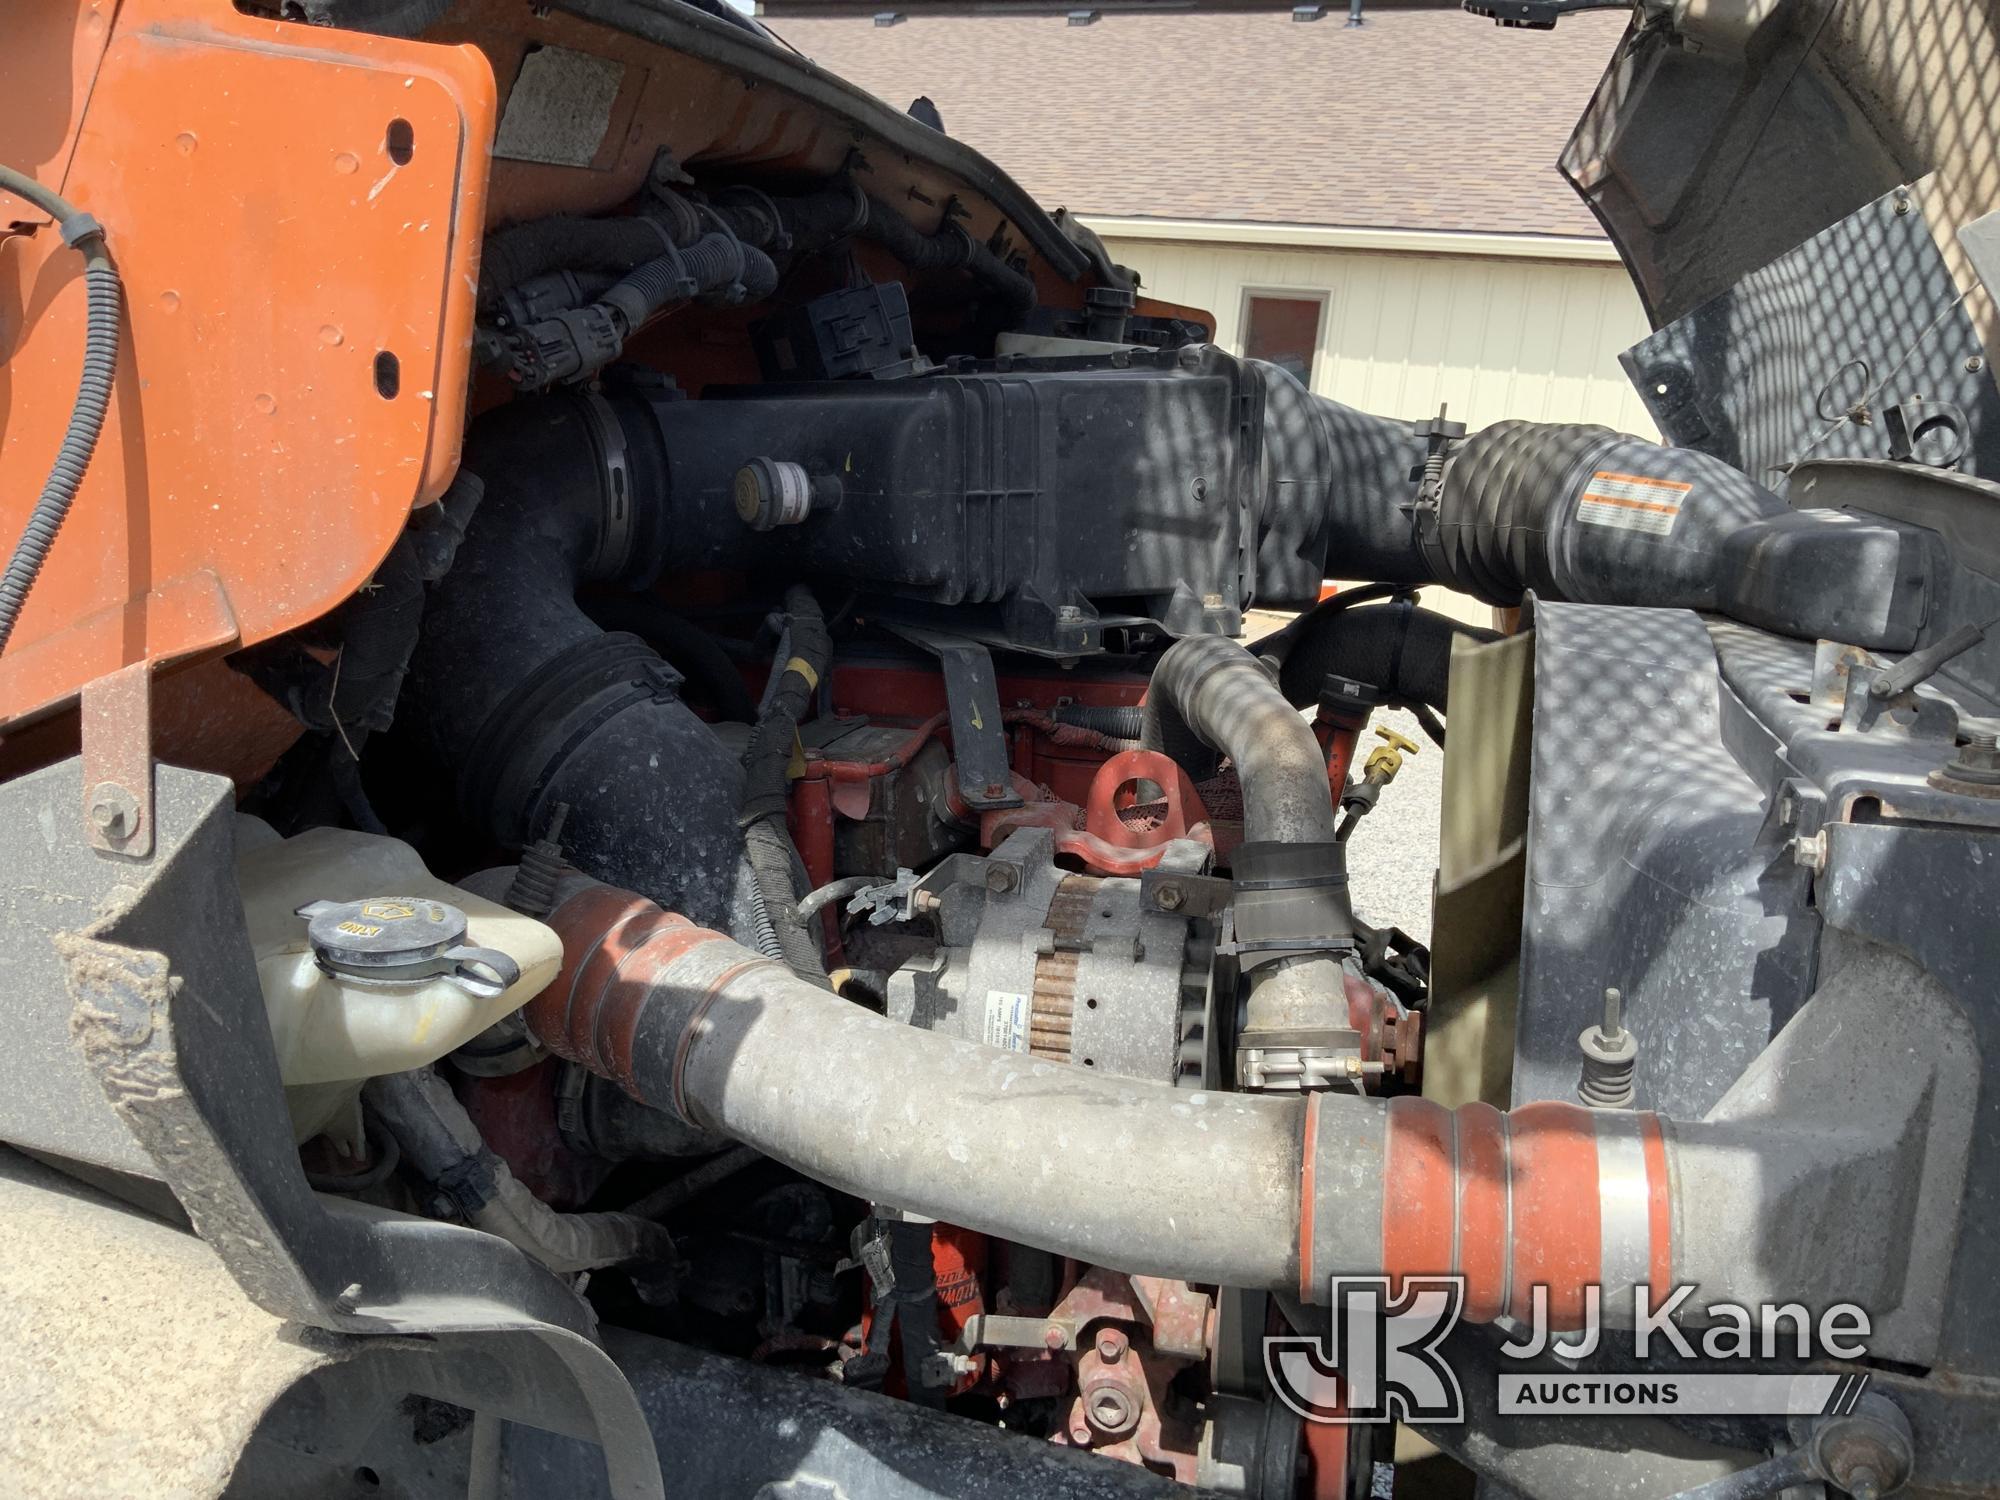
1283 330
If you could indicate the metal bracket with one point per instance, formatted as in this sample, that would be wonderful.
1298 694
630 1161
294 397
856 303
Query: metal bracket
978 737
117 720
1183 893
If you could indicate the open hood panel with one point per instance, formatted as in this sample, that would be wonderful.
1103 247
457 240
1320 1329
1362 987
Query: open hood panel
1727 132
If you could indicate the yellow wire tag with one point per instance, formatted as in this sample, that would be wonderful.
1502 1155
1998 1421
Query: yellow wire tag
803 667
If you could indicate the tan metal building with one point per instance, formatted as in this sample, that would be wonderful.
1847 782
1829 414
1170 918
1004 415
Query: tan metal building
1398 323
1377 207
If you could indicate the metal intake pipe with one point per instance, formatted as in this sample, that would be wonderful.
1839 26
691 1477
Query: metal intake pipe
1538 1205
1274 1192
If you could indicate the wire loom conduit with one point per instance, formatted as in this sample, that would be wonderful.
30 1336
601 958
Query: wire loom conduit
766 785
528 702
440 1142
85 235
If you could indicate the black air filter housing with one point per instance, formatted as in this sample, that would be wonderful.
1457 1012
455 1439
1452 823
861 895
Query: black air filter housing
1047 501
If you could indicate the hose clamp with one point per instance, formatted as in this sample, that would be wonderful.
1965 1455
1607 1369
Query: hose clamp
547 716
684 284
614 532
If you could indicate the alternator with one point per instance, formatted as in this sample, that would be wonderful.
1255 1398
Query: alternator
1105 973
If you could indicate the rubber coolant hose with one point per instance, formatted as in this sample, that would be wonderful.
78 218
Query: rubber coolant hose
85 235
1213 691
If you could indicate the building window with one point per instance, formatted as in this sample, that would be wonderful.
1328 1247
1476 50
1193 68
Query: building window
1283 330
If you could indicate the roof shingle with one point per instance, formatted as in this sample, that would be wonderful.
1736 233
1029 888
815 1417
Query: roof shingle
1421 119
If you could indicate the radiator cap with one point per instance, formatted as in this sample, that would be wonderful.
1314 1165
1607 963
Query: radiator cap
398 940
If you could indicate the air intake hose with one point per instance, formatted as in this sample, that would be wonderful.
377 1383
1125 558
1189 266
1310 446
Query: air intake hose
1572 512
1548 1200
529 703
1240 1190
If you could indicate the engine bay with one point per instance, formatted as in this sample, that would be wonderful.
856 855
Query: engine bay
811 866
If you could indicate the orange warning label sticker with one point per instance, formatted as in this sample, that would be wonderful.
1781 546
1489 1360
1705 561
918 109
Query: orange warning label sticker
1632 501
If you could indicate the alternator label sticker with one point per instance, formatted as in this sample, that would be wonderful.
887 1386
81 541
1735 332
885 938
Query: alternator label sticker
1006 1020
1632 502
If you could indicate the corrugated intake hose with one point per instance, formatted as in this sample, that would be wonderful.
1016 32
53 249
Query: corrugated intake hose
1587 514
1519 509
1240 1190
766 782
1571 512
440 1142
85 235
528 703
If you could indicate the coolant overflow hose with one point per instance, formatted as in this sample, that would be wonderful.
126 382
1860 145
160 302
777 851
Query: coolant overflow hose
85 235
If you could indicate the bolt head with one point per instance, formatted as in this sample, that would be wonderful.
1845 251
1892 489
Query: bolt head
1810 853
1111 1346
1001 878
1052 1337
1168 897
1110 1409
114 812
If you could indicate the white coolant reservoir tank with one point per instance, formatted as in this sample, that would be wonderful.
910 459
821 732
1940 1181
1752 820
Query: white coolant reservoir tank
370 964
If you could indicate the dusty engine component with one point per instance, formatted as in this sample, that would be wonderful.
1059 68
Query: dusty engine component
1127 975
1072 968
783 948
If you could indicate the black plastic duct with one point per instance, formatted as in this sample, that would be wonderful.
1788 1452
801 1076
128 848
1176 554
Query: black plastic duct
530 703
1402 651
1580 513
1587 514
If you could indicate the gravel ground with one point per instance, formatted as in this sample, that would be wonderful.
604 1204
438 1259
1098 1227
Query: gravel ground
1392 856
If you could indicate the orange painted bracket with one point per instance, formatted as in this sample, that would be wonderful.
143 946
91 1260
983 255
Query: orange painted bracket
295 213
